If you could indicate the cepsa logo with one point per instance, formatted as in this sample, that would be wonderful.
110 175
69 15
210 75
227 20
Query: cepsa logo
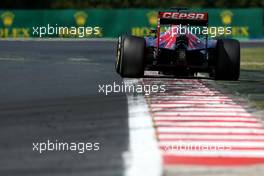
189 16
7 31
152 18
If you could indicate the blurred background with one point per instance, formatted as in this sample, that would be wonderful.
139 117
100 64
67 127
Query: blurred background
116 17
49 88
62 4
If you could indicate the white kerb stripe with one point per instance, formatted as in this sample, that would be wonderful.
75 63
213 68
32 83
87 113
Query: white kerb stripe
231 144
221 137
209 130
191 105
180 118
224 124
218 153
204 113
238 110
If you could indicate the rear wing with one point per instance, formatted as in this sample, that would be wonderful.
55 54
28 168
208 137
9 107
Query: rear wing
184 18
180 17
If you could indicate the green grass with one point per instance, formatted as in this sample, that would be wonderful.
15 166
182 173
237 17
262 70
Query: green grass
252 58
251 82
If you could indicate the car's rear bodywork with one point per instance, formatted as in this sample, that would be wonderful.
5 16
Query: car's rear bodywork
178 53
171 51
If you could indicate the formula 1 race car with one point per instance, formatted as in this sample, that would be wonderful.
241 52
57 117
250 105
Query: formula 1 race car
170 52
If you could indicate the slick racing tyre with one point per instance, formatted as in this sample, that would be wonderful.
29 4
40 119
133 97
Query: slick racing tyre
118 53
130 61
227 59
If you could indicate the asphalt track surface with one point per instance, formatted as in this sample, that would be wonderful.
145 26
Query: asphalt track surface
49 91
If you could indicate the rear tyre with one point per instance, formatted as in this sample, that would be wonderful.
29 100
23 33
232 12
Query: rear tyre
118 53
130 60
227 59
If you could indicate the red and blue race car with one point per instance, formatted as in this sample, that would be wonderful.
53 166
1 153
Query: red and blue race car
173 49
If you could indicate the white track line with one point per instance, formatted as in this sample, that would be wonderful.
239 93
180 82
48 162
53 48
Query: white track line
144 156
